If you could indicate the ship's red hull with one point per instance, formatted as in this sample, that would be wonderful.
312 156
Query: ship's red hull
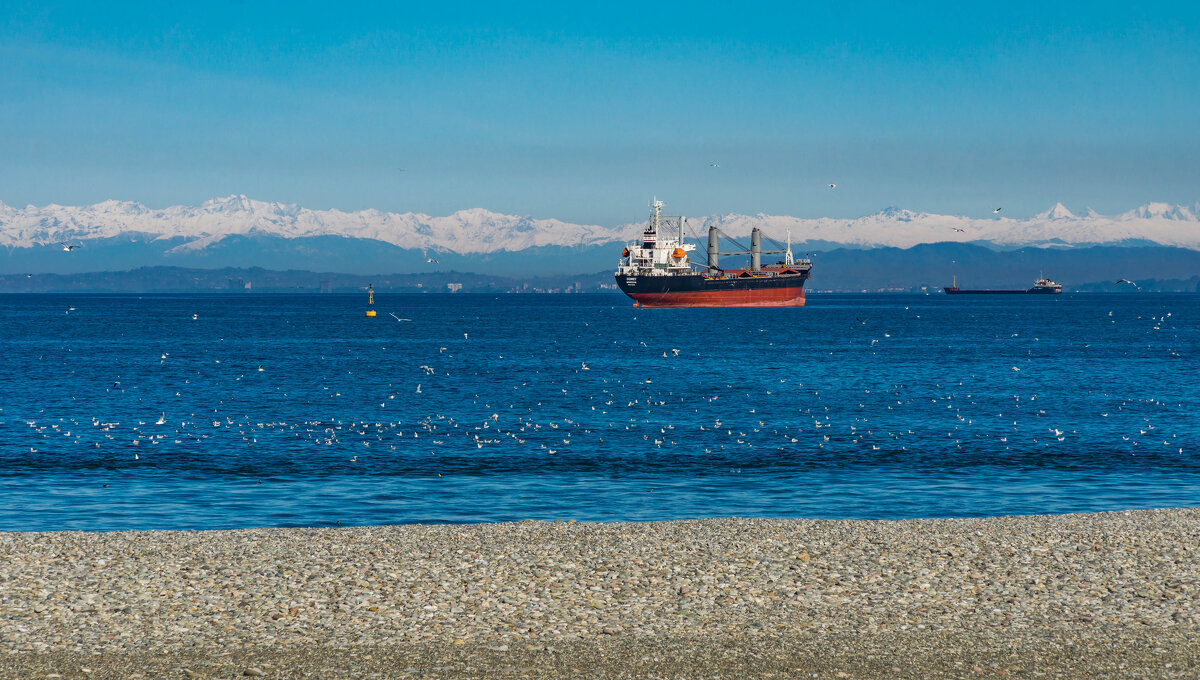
734 289
764 297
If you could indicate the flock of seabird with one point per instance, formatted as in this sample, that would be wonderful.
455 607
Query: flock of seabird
550 412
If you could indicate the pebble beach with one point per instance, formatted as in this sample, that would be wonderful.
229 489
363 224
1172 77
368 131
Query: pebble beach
1087 595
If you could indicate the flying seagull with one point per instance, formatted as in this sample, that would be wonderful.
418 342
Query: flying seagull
832 186
956 229
430 259
1130 283
996 210
714 165
69 246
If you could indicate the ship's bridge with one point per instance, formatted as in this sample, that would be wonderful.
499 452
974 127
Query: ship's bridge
662 250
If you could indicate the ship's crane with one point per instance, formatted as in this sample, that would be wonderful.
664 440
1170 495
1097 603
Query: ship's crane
755 250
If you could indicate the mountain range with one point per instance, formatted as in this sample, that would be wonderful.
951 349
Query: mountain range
478 231
237 231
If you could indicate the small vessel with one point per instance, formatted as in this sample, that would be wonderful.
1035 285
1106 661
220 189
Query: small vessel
1042 286
659 271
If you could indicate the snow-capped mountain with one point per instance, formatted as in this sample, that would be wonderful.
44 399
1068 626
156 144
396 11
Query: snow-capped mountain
190 229
1058 212
1160 223
1164 211
464 232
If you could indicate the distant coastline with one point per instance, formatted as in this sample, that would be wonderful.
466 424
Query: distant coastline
231 280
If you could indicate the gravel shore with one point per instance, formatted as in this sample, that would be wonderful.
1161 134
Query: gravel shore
1097 595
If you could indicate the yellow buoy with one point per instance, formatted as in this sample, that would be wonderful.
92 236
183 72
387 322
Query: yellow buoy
370 300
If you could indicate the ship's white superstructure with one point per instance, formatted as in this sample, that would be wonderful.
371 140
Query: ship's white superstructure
662 251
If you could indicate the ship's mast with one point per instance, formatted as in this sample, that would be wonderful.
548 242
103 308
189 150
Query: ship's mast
787 256
657 205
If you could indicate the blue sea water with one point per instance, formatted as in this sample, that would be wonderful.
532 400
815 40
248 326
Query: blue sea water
297 410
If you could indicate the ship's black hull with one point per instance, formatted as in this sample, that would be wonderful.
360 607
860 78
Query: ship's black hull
781 290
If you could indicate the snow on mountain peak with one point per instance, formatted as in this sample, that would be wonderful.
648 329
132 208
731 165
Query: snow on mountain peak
230 203
111 206
478 230
1166 211
1058 212
478 216
896 213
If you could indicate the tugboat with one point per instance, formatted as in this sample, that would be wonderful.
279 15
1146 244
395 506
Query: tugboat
659 272
1043 286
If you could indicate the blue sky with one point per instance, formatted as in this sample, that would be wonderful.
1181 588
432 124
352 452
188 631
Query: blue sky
585 113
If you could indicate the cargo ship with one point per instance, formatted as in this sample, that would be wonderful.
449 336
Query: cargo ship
1043 286
659 271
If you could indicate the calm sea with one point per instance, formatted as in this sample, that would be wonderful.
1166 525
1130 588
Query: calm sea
201 411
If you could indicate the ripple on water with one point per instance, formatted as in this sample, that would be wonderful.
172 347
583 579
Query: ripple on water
680 413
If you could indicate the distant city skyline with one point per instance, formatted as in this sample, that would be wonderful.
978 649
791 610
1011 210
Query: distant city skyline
583 113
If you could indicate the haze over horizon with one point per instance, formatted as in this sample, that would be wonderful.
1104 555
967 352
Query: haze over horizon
582 114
